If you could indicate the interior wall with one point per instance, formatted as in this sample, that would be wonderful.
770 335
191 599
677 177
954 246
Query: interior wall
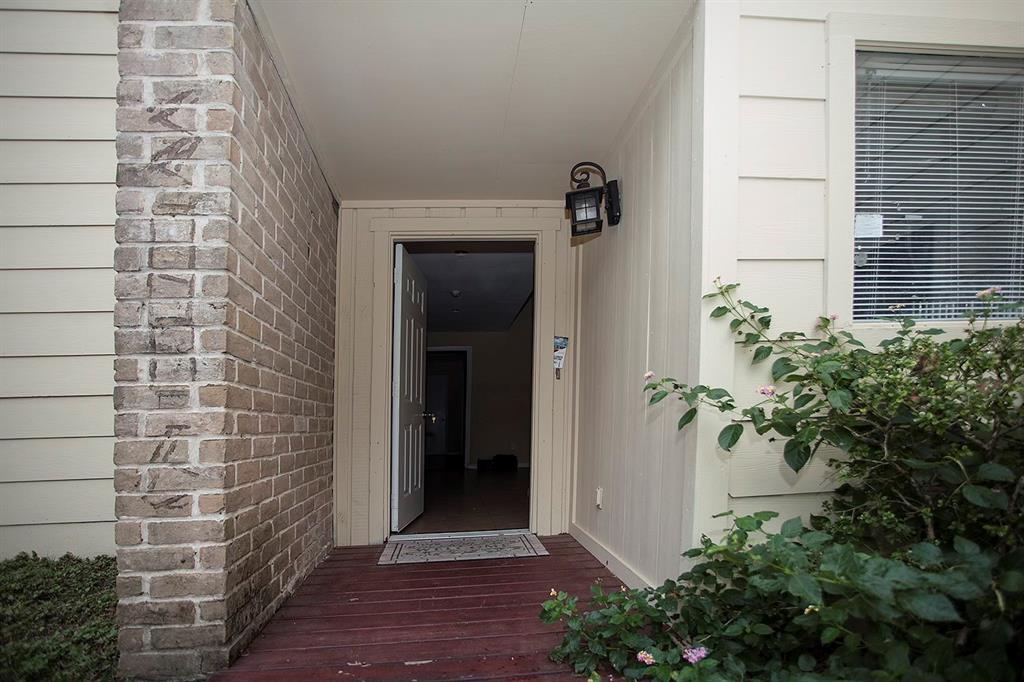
58 81
768 212
501 387
635 299
362 442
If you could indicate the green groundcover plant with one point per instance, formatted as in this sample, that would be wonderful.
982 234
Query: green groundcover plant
57 618
916 571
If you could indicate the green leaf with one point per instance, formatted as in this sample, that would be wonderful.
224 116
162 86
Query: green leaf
728 436
792 527
806 662
926 554
796 454
985 497
965 546
687 417
719 311
805 586
718 394
1012 581
761 353
990 471
782 367
830 634
840 399
658 397
936 608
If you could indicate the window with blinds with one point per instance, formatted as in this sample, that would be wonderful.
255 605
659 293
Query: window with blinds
939 183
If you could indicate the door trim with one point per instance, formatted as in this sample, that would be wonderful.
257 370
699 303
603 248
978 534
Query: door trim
362 471
468 412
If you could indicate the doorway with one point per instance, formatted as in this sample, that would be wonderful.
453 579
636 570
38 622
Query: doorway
462 400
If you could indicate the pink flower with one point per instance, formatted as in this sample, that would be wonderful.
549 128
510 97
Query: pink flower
648 375
695 654
989 293
767 391
833 317
645 658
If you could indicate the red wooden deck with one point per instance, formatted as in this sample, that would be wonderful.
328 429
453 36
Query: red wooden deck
465 620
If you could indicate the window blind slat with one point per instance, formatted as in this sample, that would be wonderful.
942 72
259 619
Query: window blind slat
940 163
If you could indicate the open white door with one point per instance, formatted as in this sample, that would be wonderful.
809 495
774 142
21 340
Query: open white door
407 391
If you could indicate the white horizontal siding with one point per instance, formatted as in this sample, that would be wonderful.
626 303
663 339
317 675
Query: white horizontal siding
22 205
32 334
58 80
55 459
56 376
57 32
66 417
44 161
55 539
31 291
36 118
38 502
57 75
32 248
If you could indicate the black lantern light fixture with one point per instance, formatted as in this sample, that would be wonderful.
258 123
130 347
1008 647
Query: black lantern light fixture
583 202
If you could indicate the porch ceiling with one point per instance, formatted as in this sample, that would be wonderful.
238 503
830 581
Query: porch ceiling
470 99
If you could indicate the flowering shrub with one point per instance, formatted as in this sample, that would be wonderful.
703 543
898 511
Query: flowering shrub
797 605
917 570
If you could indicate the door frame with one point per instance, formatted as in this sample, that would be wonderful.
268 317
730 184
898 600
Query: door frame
363 396
468 411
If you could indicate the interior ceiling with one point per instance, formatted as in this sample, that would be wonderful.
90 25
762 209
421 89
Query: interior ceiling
467 99
492 288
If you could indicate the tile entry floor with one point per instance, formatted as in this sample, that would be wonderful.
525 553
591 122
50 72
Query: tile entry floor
465 620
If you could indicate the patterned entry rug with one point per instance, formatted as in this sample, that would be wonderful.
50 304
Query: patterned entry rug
423 550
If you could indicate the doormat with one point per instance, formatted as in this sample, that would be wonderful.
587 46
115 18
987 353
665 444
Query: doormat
467 548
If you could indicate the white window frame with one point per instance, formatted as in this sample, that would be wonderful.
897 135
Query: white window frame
848 33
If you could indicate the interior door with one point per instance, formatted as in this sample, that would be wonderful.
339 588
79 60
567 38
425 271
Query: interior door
407 391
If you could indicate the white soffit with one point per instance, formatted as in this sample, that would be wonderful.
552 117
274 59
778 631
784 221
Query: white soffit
470 99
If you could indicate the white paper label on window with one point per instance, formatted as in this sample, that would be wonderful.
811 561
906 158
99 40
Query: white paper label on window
867 225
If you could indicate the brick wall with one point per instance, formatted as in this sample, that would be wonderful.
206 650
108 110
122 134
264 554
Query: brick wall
225 320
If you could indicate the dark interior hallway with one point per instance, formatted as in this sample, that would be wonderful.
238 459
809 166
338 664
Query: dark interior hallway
472 499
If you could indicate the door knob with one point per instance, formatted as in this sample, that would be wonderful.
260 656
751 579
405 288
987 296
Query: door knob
429 416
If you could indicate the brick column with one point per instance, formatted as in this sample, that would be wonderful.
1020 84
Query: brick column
225 283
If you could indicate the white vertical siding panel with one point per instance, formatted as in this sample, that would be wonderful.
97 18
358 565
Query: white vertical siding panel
634 299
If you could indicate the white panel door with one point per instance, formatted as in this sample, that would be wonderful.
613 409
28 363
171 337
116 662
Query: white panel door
407 391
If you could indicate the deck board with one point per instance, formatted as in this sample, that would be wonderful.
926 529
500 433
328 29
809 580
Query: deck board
467 620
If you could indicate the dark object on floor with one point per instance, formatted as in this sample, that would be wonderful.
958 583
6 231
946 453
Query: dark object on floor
498 463
440 621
